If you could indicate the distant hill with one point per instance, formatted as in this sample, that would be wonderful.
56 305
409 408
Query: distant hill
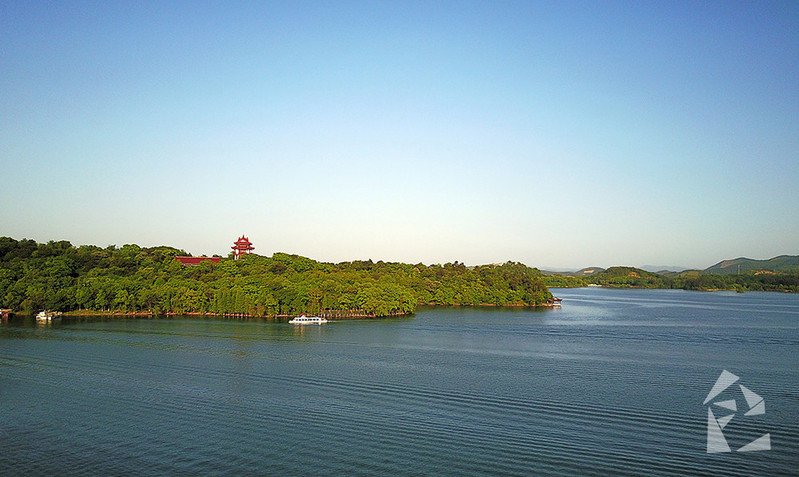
782 263
625 277
588 271
583 272
777 274
662 269
681 274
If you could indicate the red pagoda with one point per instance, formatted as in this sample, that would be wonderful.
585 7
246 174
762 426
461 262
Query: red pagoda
241 246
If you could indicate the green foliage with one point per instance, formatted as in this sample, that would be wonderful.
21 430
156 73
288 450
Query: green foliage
750 281
565 281
782 263
61 277
629 277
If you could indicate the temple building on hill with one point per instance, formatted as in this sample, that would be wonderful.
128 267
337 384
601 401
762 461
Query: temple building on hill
189 261
241 246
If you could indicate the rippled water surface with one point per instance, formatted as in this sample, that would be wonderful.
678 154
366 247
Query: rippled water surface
613 383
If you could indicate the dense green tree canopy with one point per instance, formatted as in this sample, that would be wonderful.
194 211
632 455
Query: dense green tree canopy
59 276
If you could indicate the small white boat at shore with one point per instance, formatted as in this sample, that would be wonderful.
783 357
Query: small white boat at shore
45 316
307 320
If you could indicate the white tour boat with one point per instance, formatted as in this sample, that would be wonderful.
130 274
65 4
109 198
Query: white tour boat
48 316
307 320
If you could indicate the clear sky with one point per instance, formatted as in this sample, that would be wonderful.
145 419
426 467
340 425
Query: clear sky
557 134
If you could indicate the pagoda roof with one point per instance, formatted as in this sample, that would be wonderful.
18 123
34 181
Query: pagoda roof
242 244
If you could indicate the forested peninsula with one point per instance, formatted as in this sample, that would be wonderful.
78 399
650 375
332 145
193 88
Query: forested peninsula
132 279
786 280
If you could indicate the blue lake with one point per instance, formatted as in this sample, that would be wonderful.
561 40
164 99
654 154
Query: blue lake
612 383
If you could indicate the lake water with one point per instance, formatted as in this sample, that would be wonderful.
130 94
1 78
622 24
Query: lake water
612 383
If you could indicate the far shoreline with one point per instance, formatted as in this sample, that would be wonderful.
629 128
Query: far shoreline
702 290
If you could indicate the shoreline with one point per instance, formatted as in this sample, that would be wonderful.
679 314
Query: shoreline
152 314
738 290
328 314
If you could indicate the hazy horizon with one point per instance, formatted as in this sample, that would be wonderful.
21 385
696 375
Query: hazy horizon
558 135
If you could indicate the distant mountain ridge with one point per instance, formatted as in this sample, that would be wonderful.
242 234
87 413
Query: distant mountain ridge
777 274
662 268
583 272
588 271
781 263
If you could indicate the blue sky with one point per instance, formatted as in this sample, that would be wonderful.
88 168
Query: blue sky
557 134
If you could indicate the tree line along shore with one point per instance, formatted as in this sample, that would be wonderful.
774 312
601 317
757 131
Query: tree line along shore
630 277
137 280
133 280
